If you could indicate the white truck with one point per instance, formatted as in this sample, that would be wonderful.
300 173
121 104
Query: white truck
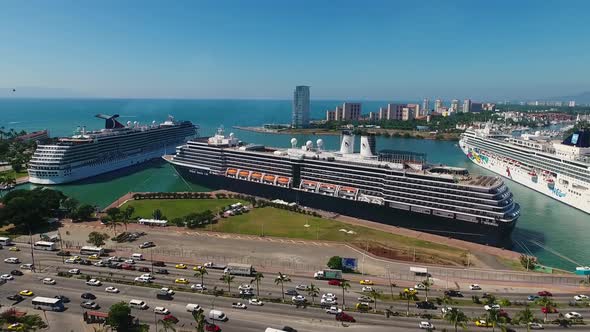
239 269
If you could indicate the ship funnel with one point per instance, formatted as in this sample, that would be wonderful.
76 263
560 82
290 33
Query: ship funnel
347 143
320 144
368 146
293 142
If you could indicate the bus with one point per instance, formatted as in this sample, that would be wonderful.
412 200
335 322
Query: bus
91 251
6 241
48 303
45 245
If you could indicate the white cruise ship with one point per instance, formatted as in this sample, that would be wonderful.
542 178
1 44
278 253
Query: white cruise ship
394 187
560 170
89 153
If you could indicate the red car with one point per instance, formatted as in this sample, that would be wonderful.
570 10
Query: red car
144 269
544 293
344 317
550 310
334 282
212 327
171 318
128 267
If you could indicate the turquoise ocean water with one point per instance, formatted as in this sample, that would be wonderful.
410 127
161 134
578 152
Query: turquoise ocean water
554 232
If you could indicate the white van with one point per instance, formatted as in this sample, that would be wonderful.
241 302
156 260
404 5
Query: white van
136 256
191 307
217 315
138 304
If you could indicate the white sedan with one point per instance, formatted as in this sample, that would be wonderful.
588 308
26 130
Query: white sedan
198 287
161 311
573 315
367 289
111 289
426 325
490 307
130 261
245 287
48 281
12 260
93 282
581 297
420 286
6 277
74 271
298 298
329 295
333 310
255 302
474 287
238 305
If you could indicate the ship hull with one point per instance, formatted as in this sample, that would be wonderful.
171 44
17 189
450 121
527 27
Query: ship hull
499 236
557 189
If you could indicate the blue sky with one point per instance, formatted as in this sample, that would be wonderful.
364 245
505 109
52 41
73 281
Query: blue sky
344 49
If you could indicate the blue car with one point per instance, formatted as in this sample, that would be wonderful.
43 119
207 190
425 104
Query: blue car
533 297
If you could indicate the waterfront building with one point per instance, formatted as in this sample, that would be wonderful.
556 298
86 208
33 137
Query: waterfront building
426 106
467 106
572 103
454 106
476 107
346 112
301 107
438 104
394 187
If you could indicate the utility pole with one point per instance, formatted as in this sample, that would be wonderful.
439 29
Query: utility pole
61 245
32 252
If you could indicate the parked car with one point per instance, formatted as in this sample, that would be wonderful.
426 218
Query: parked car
426 325
573 315
89 305
344 317
238 305
425 305
453 293
93 282
88 296
334 282
255 302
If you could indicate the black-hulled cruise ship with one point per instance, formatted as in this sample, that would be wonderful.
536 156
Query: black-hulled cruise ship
393 187
89 153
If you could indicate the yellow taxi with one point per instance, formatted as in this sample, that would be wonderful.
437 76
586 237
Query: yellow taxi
197 268
410 291
483 323
183 281
26 292
94 257
180 266
16 327
366 282
14 249
362 306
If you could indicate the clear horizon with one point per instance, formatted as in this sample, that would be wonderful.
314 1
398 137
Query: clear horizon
374 50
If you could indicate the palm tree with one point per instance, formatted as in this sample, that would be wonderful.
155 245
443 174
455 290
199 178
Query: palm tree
525 316
548 304
345 285
427 283
113 225
281 279
375 294
257 278
167 324
457 318
228 278
313 292
200 272
410 296
200 320
493 317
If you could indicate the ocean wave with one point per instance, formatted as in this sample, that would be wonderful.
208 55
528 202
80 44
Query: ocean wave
15 122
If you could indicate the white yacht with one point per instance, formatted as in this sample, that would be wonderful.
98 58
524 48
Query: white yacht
558 169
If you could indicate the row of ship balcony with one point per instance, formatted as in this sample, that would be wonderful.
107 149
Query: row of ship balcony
329 189
260 177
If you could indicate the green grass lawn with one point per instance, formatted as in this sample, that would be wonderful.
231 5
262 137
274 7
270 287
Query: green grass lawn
282 223
176 208
16 175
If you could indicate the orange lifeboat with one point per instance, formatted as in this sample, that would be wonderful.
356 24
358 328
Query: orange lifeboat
327 187
270 178
283 180
351 189
244 173
232 171
256 175
309 183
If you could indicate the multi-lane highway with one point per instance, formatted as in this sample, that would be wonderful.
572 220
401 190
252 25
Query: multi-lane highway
252 319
